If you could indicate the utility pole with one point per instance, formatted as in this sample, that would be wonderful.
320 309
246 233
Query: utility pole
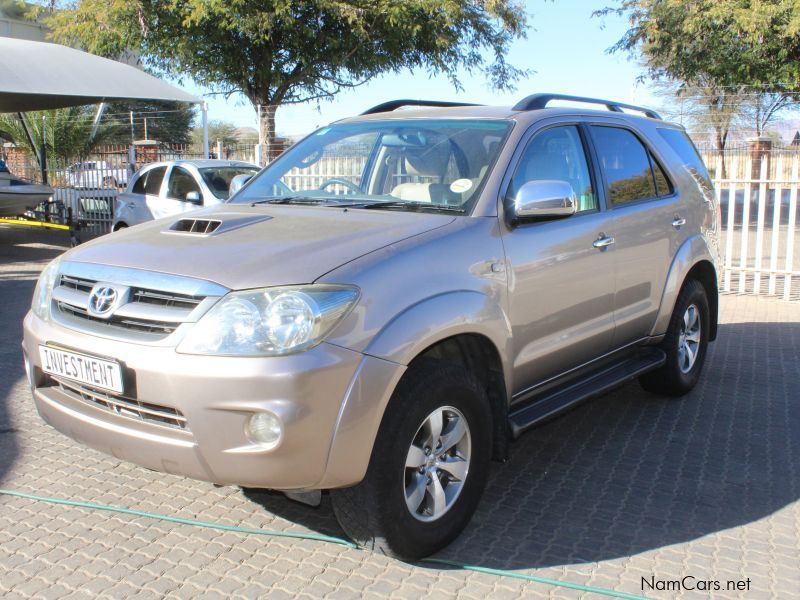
43 159
259 153
204 115
133 137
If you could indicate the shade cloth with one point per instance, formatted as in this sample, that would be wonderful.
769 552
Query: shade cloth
40 76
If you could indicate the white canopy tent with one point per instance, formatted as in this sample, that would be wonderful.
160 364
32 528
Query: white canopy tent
41 76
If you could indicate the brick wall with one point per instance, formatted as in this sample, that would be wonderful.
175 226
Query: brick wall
19 161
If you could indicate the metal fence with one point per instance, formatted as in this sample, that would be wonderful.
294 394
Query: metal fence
757 193
87 187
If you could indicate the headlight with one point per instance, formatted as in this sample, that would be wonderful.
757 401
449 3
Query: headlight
269 322
43 293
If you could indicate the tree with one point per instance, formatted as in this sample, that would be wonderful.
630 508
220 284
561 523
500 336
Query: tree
218 131
278 52
729 42
704 108
67 131
761 108
168 122
731 58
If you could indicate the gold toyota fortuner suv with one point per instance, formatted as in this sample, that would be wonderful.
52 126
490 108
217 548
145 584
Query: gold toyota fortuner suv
385 307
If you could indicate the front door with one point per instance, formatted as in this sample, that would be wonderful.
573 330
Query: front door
180 184
562 285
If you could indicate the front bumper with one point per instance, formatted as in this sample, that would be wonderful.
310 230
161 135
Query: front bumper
314 394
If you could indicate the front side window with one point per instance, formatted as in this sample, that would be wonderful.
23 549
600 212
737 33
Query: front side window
626 164
181 184
398 164
557 154
218 179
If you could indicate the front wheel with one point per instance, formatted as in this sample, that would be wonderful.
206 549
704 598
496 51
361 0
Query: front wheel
428 468
685 344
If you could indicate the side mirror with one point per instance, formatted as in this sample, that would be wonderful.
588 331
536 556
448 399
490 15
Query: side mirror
237 183
543 199
194 198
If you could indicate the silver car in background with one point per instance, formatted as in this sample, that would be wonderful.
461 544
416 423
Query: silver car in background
169 188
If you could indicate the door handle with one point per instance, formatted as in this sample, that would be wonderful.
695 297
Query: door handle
678 222
604 241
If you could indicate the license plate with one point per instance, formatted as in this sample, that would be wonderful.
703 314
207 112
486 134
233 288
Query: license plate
96 372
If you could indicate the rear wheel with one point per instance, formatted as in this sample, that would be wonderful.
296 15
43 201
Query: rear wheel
685 344
428 468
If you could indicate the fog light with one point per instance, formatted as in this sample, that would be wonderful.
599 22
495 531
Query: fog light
264 428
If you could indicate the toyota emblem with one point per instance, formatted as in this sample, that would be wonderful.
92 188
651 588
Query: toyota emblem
102 300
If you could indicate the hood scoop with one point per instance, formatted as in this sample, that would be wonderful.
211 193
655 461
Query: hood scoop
206 226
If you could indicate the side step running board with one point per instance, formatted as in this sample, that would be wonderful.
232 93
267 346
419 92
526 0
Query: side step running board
549 404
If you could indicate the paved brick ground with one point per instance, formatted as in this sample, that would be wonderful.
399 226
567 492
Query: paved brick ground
626 487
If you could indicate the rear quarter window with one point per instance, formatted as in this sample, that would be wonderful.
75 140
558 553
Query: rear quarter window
688 154
154 177
138 185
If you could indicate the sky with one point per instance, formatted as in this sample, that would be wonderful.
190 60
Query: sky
566 48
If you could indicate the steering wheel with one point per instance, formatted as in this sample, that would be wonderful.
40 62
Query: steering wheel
339 181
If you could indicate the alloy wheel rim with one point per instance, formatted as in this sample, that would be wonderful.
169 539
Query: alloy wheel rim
437 464
689 339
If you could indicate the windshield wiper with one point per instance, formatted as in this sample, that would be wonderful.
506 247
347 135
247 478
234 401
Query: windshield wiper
290 200
406 204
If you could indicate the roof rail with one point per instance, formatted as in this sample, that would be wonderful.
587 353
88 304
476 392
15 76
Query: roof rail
537 101
395 104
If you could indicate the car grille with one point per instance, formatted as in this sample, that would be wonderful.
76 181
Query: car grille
121 405
144 313
147 297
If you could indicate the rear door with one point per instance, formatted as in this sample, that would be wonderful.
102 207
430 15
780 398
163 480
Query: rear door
647 216
562 285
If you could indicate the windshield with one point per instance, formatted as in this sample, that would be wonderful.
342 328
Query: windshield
218 179
415 164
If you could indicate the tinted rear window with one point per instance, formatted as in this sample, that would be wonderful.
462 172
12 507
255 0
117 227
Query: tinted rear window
685 149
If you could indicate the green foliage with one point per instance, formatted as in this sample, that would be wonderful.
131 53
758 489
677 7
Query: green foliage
223 131
66 130
277 52
169 122
726 42
14 9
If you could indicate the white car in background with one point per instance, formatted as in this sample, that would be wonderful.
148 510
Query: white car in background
167 188
95 175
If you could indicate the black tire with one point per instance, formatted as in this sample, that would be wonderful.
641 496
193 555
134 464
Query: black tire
671 379
120 226
374 513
